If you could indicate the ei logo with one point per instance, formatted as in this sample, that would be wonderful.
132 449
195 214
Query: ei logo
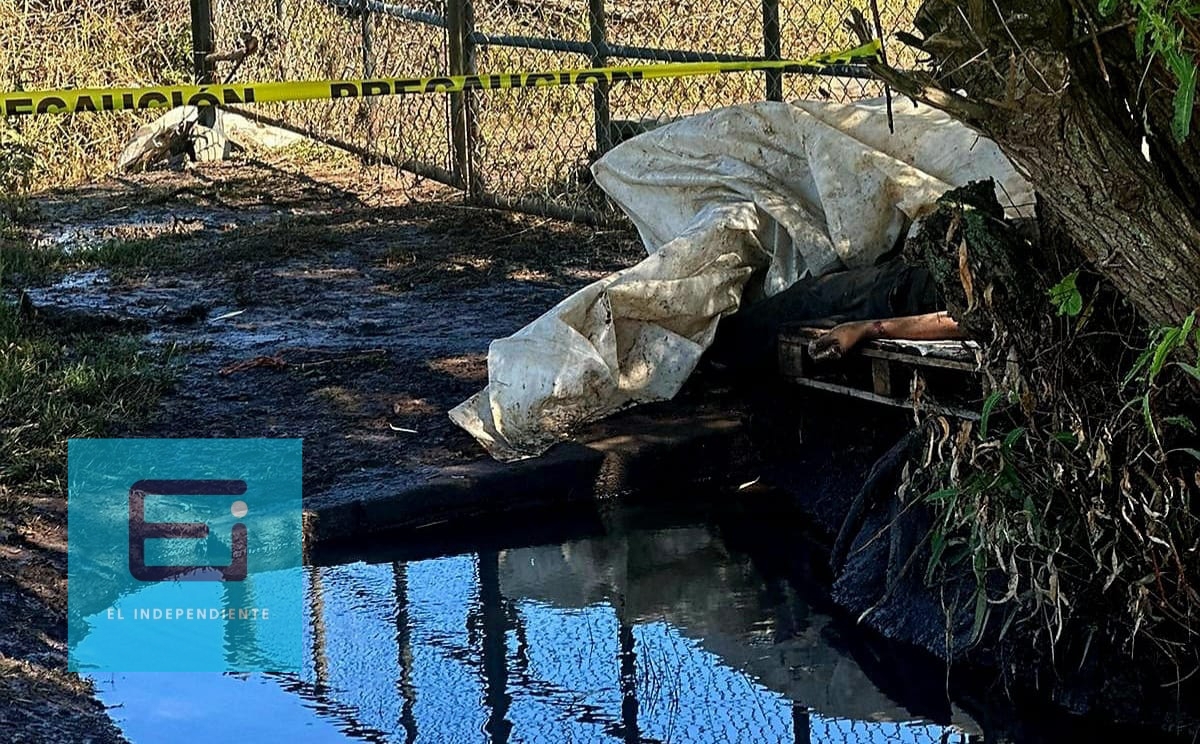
185 555
140 530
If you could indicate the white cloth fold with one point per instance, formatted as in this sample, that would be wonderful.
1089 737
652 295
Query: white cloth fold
789 189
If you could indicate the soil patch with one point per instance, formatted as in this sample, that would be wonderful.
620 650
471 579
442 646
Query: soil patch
302 308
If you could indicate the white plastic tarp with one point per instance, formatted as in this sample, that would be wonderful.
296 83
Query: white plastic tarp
741 200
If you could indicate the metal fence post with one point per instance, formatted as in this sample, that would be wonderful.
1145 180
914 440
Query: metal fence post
202 46
772 48
202 41
475 183
458 120
600 100
368 61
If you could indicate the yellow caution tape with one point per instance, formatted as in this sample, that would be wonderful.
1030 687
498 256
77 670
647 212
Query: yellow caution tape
122 99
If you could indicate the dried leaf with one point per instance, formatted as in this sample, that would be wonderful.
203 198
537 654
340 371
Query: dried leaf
964 275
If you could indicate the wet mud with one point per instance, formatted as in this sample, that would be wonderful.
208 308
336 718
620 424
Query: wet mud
323 315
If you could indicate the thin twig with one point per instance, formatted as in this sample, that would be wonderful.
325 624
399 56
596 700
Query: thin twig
1000 14
925 90
982 46
1103 31
1081 10
944 75
887 89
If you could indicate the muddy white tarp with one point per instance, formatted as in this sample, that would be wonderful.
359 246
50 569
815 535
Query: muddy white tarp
180 130
737 202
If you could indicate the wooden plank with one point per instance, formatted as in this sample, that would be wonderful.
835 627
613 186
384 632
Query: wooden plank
791 357
959 355
881 377
917 359
926 407
882 356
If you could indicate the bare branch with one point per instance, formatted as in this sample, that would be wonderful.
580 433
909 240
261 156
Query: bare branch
919 86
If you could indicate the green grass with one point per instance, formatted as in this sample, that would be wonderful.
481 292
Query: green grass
141 253
65 380
56 385
22 265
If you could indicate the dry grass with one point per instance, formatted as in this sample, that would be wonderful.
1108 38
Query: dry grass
98 43
530 142
1072 501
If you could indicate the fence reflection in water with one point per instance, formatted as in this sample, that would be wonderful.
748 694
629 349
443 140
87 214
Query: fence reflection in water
650 636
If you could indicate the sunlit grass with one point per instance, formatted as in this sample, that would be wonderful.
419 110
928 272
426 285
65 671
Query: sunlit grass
530 142
62 380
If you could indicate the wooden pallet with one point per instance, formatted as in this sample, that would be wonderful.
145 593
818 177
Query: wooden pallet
896 368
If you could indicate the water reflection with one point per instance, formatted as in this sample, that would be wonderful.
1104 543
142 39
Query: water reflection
639 635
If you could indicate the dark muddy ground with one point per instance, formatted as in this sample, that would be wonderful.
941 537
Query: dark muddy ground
328 303
302 308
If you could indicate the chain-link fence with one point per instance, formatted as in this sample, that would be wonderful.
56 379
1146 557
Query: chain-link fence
530 149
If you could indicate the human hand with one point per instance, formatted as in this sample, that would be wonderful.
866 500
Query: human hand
837 342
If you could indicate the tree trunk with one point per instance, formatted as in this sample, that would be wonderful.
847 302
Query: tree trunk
1036 86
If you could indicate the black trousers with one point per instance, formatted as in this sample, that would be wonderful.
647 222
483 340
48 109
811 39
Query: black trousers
891 289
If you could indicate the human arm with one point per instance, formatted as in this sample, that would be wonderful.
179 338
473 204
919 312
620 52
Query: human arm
838 341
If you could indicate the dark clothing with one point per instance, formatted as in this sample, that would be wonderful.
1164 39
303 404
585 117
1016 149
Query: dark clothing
889 289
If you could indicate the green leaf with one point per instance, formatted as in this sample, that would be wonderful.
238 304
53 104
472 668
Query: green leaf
1008 477
1191 369
981 614
1142 360
1139 35
988 406
1183 422
1146 413
1066 438
1065 296
943 495
938 546
1185 103
1160 32
1169 343
1032 514
1013 436
959 557
1188 451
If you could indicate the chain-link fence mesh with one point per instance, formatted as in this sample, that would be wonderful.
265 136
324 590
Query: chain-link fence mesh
455 649
331 40
531 148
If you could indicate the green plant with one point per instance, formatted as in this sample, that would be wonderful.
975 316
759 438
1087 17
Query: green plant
1160 30
58 386
1065 296
1167 343
17 163
982 517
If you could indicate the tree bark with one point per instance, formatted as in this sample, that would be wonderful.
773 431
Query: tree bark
1036 84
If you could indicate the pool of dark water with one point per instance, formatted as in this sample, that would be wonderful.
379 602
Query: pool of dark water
635 629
